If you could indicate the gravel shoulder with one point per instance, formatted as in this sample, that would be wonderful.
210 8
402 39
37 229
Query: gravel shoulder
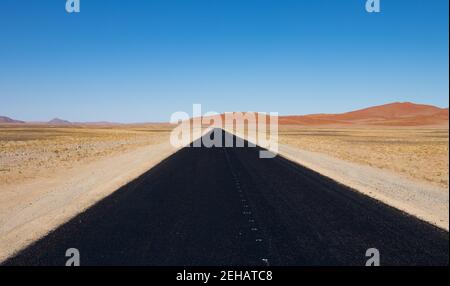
29 211
427 202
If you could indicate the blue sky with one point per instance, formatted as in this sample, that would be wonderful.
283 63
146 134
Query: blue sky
142 60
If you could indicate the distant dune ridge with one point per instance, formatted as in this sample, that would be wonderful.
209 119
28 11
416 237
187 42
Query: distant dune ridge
392 114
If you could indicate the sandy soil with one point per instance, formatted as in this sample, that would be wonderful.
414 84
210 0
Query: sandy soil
29 152
425 201
51 174
34 202
418 154
48 175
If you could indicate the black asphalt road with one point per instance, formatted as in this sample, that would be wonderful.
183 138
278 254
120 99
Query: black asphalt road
226 207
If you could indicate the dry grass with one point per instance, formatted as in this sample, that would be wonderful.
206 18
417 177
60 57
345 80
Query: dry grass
420 154
27 152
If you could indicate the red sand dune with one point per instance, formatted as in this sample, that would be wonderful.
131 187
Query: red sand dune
393 114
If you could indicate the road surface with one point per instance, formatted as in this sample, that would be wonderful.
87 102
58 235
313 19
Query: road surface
226 207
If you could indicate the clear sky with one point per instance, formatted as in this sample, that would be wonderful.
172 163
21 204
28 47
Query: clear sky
142 60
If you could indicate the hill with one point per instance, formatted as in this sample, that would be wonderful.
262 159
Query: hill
393 114
4 119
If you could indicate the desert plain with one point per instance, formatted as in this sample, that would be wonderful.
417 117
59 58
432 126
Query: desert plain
51 172
28 152
420 154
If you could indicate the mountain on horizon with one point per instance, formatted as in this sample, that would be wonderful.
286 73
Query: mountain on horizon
58 121
5 119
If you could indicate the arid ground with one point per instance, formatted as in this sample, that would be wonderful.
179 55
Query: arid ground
30 151
48 173
226 206
418 153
